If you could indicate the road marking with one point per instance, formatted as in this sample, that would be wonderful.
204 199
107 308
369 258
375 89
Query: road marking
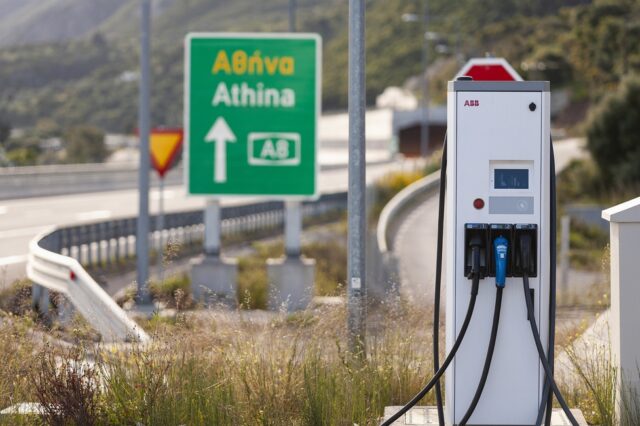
21 232
3 209
11 260
93 215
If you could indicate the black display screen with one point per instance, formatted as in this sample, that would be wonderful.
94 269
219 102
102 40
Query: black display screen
511 179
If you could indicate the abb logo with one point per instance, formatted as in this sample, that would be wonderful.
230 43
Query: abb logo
472 102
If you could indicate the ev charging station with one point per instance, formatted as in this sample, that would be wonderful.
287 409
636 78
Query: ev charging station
496 230
498 183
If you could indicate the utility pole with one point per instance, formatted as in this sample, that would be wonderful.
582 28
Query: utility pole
144 118
292 16
424 128
356 285
293 209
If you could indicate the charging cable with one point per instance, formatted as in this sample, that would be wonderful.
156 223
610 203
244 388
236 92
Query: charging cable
438 281
501 252
525 259
547 396
475 283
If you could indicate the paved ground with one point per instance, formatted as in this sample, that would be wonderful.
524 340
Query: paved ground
23 219
415 240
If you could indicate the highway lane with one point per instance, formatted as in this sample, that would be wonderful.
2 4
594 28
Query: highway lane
415 240
23 219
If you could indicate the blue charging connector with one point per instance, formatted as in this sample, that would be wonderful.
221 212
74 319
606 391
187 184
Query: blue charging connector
500 251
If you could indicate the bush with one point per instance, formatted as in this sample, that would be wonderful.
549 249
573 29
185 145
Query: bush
579 181
389 185
613 134
253 283
331 268
175 291
85 144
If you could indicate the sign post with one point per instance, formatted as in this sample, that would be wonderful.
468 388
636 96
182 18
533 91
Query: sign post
356 286
252 103
144 118
293 209
164 145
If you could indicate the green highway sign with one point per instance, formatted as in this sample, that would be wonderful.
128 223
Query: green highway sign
252 103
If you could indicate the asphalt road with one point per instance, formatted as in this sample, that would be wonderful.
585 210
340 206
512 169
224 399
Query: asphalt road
21 220
415 240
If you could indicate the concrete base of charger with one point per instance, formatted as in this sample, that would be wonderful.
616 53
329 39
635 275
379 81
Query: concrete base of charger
428 416
290 283
213 280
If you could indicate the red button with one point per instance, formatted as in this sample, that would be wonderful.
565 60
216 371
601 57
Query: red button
478 203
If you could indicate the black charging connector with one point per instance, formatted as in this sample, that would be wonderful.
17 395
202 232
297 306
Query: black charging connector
475 250
525 253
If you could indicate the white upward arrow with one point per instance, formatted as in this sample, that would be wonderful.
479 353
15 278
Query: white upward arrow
220 134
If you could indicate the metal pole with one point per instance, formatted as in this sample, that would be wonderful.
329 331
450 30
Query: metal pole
142 231
292 16
212 228
293 228
424 128
356 199
160 228
293 213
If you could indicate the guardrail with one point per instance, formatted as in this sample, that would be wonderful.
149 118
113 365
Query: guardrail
394 209
66 276
390 218
57 258
106 243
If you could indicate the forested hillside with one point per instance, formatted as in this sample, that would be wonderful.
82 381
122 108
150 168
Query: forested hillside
91 78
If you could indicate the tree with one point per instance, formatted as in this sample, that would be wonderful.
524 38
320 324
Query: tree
85 144
613 134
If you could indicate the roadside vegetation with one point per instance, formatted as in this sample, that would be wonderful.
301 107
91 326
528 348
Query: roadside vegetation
47 143
391 184
327 247
230 368
610 175
242 367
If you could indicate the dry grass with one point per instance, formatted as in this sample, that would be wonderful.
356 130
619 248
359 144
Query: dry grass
250 367
232 367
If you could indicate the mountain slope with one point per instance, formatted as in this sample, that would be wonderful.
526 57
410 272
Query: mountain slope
92 78
38 21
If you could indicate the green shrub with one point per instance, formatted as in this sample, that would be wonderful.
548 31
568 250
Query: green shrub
175 291
579 181
253 284
85 144
389 185
331 266
613 133
16 298
331 270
